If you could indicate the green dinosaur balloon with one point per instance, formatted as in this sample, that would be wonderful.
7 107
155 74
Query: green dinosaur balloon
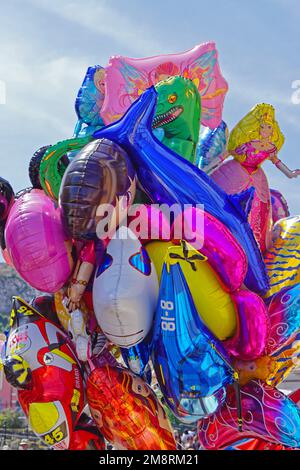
178 112
52 168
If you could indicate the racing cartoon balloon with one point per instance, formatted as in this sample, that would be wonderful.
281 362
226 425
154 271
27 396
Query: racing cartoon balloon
41 364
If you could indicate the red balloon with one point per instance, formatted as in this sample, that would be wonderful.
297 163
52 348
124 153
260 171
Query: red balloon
127 411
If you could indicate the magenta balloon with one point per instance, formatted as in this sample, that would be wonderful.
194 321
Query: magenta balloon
216 242
252 332
36 242
149 223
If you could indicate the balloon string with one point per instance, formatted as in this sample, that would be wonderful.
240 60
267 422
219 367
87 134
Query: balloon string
237 388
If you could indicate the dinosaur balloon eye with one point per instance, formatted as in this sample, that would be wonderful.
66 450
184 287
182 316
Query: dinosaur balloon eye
172 98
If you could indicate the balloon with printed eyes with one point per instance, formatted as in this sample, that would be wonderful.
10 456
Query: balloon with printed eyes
89 101
100 175
125 290
255 139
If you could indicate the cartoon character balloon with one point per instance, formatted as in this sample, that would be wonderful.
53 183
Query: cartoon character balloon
255 139
191 365
101 174
41 363
178 113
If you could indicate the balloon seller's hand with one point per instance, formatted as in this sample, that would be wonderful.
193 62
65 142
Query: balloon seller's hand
295 173
75 292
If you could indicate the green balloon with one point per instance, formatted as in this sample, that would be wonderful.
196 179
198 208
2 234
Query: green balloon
178 113
52 168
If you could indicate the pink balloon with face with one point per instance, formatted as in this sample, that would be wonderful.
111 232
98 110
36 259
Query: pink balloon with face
36 242
126 79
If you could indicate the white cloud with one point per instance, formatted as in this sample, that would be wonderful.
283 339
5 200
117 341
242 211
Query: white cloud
101 18
40 92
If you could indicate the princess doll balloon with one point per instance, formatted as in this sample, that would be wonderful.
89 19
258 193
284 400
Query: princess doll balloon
255 139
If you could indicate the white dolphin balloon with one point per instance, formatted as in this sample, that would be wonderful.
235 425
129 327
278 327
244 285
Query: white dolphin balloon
125 290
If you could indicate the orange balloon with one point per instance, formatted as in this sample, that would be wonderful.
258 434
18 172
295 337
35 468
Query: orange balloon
127 411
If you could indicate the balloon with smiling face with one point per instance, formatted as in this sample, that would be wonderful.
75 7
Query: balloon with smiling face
100 175
127 411
125 290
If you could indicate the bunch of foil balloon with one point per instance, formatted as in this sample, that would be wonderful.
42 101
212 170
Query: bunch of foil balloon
168 270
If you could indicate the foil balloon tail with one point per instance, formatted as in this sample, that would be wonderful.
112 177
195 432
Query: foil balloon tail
190 363
188 185
137 357
211 147
283 259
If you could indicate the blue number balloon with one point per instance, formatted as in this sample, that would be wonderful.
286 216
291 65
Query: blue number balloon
191 365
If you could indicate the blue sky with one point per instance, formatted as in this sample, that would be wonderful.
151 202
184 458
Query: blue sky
46 46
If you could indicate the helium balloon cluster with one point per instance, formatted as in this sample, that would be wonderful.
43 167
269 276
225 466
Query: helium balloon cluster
138 320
